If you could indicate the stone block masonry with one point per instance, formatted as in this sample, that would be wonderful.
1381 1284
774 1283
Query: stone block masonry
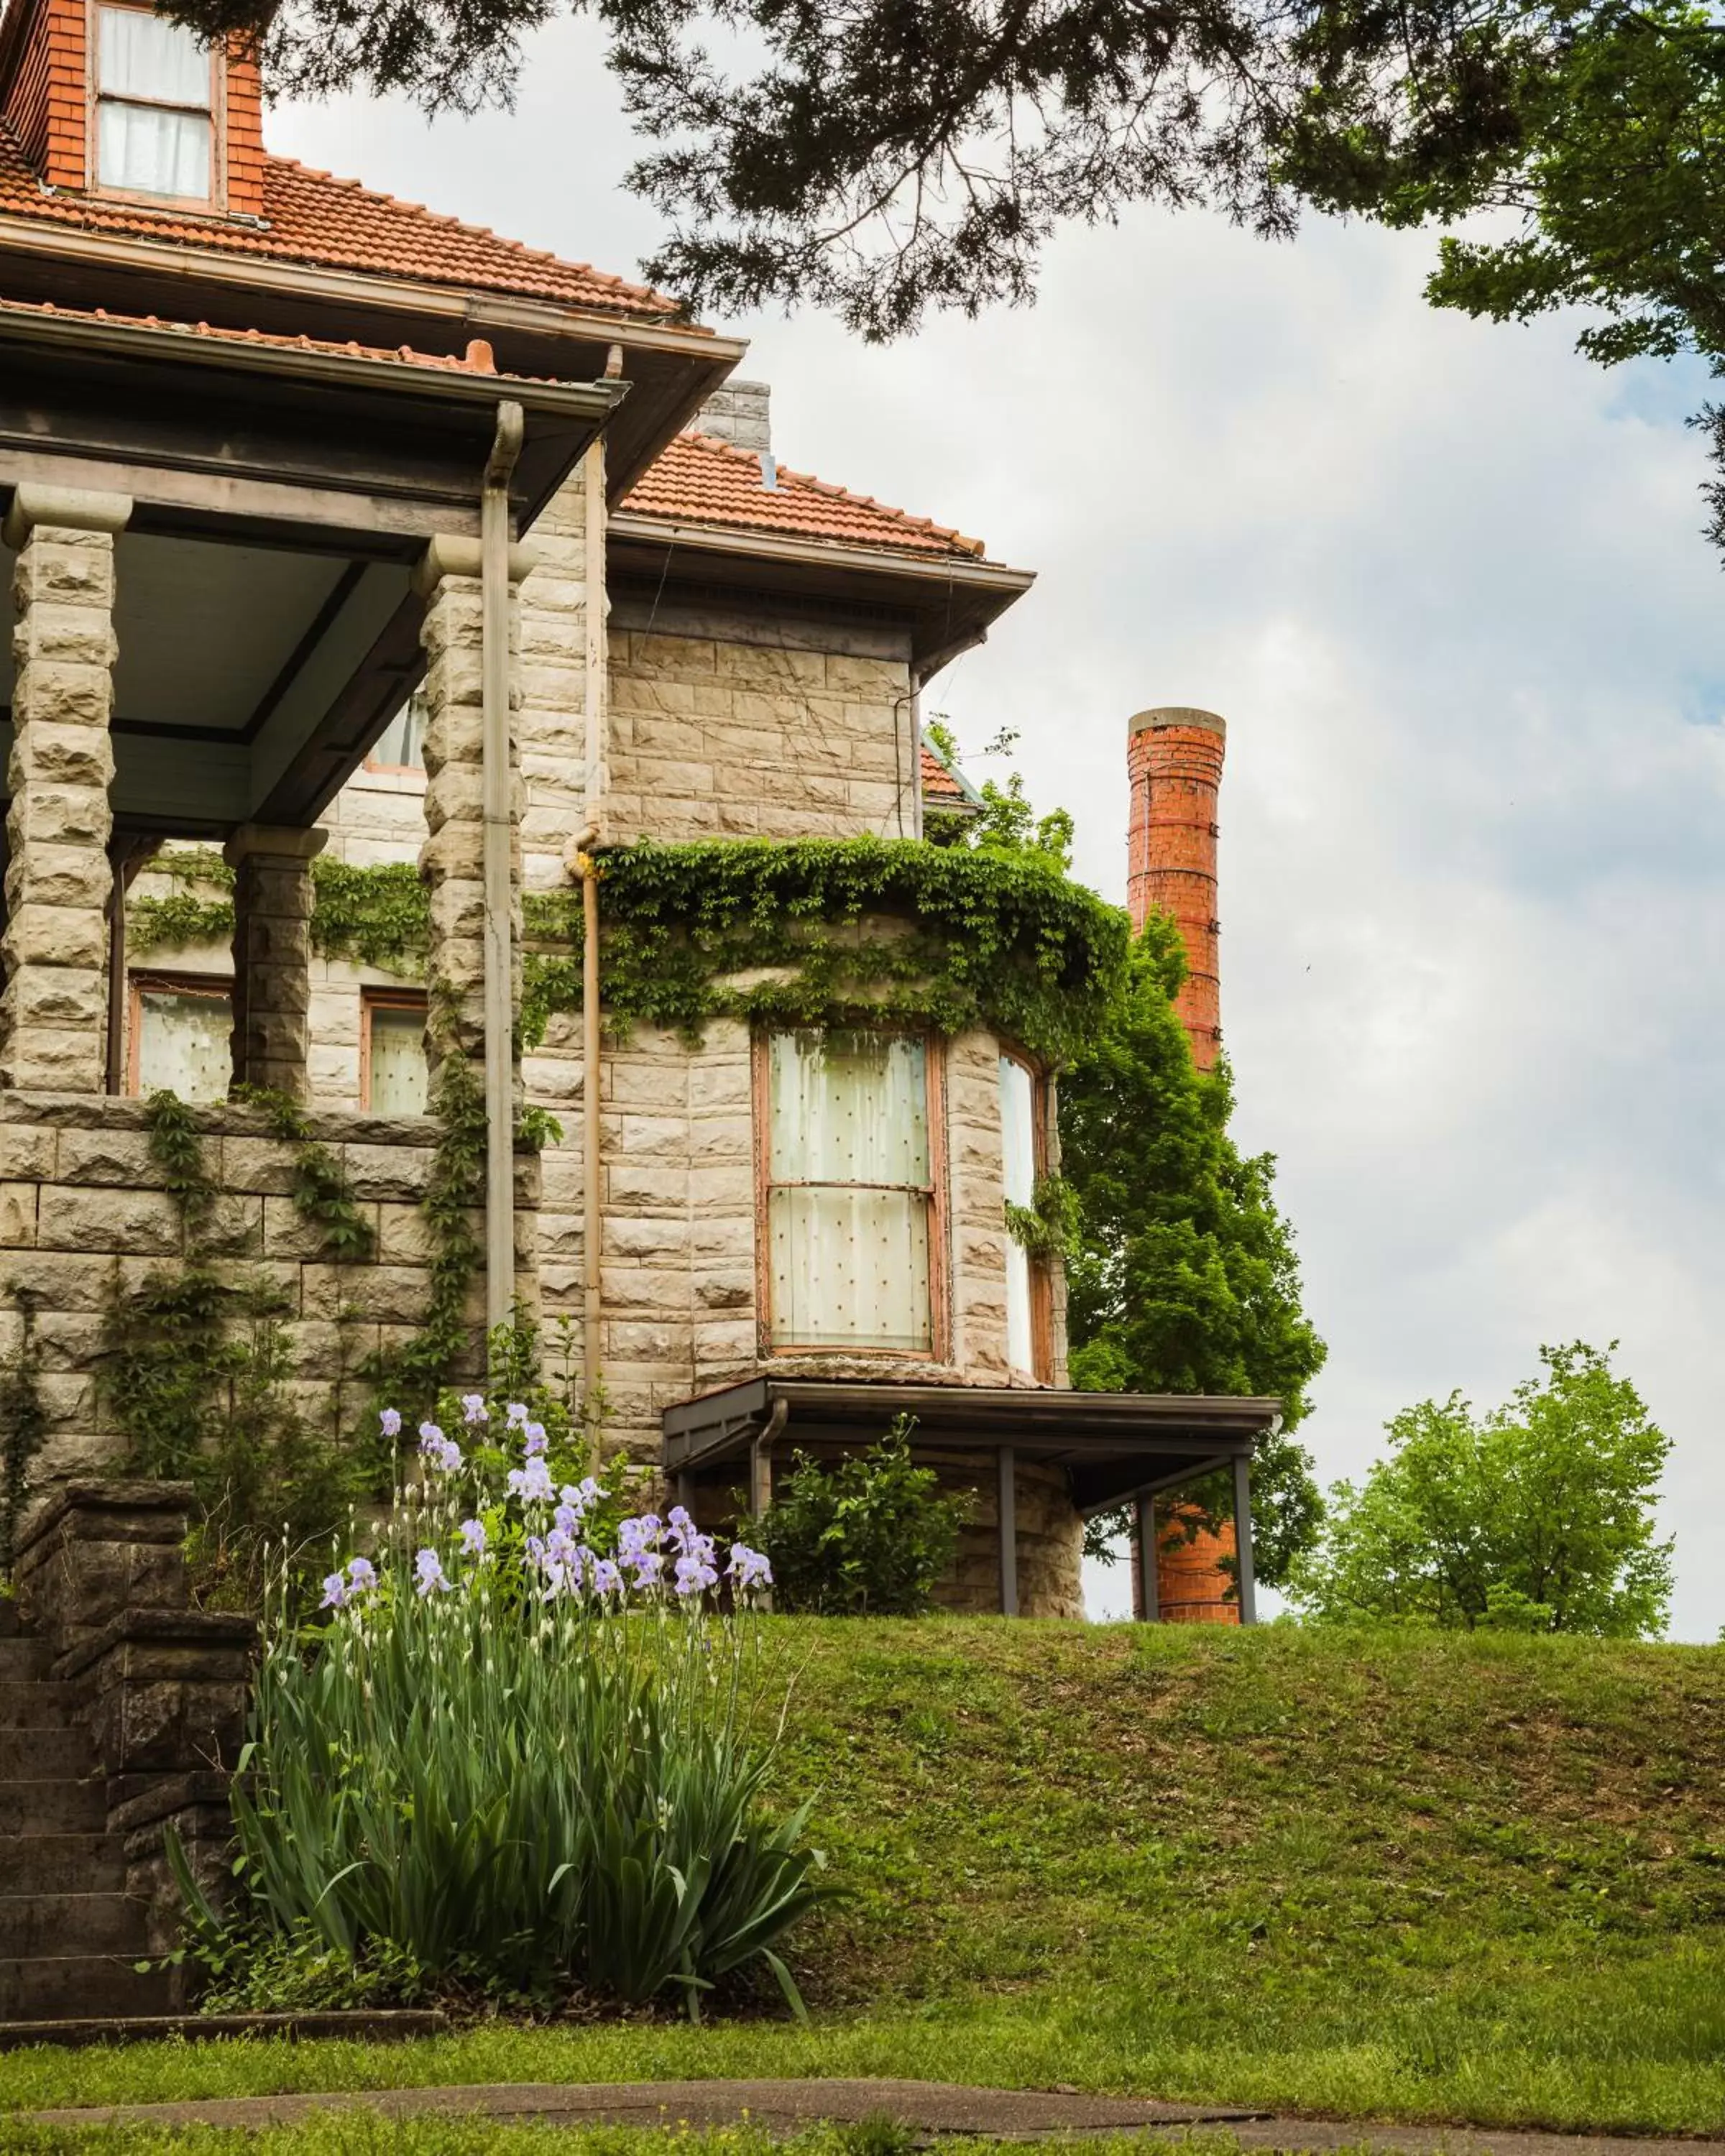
272 955
84 1218
58 880
715 737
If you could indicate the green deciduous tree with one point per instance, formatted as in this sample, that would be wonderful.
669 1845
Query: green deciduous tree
1182 1276
1536 1516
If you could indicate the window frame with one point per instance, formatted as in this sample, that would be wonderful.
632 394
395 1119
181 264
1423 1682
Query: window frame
934 1076
216 113
373 763
1040 1270
214 987
370 1001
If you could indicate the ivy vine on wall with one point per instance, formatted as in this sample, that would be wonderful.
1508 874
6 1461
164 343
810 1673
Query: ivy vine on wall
375 916
817 930
806 931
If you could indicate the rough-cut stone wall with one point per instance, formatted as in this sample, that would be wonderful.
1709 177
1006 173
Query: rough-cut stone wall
712 736
53 1013
677 1196
272 955
552 721
83 1217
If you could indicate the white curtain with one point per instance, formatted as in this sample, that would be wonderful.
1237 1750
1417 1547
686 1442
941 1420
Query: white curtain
140 54
184 1044
149 151
142 147
1017 1167
399 1080
848 1213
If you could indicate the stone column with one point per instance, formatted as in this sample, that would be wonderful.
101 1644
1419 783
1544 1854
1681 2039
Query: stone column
452 859
272 954
54 1010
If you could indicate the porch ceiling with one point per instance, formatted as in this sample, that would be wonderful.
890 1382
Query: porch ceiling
1110 1443
266 626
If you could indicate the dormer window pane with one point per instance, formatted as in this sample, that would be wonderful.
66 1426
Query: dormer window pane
154 124
144 56
148 152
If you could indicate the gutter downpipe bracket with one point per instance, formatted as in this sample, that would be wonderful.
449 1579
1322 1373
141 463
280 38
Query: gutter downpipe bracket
499 849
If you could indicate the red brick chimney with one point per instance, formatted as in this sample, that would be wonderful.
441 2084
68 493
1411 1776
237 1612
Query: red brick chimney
1174 762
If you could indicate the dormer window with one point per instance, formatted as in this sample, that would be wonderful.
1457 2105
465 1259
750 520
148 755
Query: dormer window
155 107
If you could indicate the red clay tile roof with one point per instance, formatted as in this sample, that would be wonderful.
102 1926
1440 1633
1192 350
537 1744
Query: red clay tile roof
699 480
938 783
310 217
478 358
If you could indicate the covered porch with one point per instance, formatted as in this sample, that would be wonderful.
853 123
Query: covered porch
1110 1447
233 556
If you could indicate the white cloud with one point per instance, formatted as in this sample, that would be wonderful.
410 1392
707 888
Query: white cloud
1444 580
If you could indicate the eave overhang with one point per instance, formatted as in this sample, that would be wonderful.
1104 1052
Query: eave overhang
946 602
1112 1445
672 367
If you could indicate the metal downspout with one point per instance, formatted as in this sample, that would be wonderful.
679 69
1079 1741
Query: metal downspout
499 849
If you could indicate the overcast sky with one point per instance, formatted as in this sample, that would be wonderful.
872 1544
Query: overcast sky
1445 582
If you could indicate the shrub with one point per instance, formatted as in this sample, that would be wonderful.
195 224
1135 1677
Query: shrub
517 1753
868 1537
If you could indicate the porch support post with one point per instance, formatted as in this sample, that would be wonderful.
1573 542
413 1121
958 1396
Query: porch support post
1009 1533
272 955
1243 1538
1147 1587
58 879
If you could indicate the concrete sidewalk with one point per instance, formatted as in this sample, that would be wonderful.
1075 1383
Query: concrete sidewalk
929 2108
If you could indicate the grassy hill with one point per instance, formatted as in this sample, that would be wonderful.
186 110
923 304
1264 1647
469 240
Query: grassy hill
1372 1874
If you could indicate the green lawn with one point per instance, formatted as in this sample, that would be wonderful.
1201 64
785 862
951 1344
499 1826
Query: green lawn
1375 1874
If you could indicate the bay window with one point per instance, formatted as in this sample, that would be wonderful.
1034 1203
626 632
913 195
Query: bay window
155 106
851 1221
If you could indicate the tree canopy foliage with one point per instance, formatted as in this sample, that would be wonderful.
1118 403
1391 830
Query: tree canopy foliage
1181 1272
1182 1276
879 157
1538 1515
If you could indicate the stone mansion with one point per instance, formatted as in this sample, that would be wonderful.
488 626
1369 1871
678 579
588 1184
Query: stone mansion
343 532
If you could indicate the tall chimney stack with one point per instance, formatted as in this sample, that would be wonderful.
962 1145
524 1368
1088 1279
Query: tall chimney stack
1174 762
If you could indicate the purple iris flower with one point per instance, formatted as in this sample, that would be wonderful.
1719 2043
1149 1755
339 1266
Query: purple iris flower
390 1420
430 1566
473 1537
532 1482
335 1592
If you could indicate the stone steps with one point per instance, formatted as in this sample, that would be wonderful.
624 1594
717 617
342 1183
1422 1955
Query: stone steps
33 1925
46 1754
80 1987
22 1660
35 1702
70 1935
62 1863
29 1807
